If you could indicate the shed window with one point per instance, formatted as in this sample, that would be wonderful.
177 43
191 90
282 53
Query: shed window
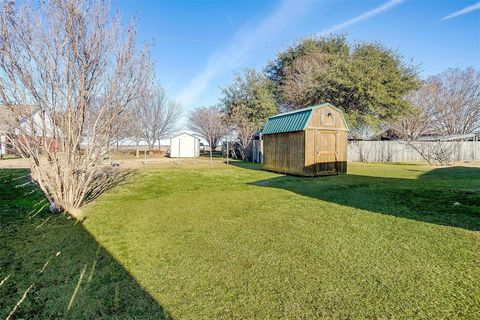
327 118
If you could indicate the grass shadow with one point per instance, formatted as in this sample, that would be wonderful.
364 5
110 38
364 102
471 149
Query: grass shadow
245 164
445 196
106 180
51 267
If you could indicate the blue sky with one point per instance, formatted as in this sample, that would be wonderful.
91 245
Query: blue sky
199 45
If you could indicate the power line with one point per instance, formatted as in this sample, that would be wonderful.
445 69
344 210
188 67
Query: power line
201 41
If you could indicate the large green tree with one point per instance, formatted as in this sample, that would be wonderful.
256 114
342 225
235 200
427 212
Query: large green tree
252 91
248 101
366 80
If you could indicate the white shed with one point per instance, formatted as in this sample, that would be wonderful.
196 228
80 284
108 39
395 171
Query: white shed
184 145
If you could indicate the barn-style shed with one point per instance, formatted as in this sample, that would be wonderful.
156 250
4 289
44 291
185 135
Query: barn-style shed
306 142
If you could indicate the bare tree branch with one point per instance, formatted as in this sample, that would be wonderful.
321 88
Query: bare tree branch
445 104
157 116
82 73
208 122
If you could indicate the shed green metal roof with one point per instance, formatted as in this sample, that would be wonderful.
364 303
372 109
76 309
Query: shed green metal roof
291 121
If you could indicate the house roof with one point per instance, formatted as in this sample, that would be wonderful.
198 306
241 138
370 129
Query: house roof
296 120
448 137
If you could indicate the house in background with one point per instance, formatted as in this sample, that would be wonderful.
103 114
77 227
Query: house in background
5 127
3 144
8 123
22 127
474 136
184 145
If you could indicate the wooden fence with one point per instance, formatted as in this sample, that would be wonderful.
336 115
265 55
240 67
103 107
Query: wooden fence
396 151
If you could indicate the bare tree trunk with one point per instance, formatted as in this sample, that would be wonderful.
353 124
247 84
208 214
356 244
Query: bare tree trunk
227 151
208 123
211 155
157 117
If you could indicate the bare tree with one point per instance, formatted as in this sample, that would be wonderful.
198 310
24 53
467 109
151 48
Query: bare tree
414 125
122 128
208 122
430 116
416 122
134 128
434 152
80 70
445 104
452 100
157 117
247 102
137 137
244 127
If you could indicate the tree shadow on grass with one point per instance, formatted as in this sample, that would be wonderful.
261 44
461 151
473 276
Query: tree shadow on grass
51 267
106 180
445 196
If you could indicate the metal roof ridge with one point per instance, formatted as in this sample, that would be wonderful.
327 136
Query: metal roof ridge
310 108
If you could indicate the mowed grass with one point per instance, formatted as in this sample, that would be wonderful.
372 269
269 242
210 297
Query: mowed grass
51 267
384 241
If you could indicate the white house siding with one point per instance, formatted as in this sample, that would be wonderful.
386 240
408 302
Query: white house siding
184 146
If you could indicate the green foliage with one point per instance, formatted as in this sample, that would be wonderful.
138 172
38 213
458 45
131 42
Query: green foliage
334 46
366 80
251 94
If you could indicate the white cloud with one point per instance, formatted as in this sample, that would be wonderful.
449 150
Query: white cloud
364 16
228 57
463 11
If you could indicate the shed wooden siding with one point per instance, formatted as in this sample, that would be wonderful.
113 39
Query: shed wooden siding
326 143
319 149
325 152
283 152
319 119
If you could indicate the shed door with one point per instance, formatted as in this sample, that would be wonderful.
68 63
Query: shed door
326 150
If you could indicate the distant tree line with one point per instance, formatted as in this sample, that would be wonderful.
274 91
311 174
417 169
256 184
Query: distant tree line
155 117
379 90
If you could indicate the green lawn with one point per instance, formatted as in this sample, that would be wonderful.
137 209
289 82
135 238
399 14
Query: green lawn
384 241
